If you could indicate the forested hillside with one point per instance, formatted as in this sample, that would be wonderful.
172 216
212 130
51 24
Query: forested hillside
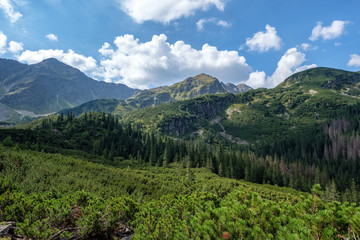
319 155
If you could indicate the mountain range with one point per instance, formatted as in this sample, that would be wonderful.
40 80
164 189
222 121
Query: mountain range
303 134
304 99
50 86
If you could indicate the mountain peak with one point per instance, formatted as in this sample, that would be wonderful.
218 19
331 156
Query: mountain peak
55 67
204 77
51 60
322 77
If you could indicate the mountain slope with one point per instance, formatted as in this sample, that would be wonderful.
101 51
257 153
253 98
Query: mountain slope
50 86
189 88
323 78
262 114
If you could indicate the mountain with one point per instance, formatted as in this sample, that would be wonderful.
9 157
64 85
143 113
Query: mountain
97 176
304 99
189 88
50 86
243 87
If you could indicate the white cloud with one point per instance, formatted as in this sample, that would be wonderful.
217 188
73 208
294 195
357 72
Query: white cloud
257 79
223 23
289 63
354 60
3 40
200 24
8 8
15 47
158 62
106 50
335 30
304 67
85 64
166 10
307 47
52 37
264 41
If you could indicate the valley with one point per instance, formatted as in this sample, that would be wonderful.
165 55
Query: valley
198 159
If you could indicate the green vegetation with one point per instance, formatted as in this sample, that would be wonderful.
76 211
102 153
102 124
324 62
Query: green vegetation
211 167
300 161
58 197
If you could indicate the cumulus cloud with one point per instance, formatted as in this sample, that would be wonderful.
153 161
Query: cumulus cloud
85 64
166 10
336 29
354 60
8 8
157 62
106 50
200 24
289 63
307 47
3 40
264 41
15 47
257 79
52 37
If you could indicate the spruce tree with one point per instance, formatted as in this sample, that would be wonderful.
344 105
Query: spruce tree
354 194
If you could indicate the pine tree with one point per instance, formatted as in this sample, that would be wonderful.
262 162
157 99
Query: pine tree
166 158
330 193
221 170
354 194
152 157
189 172
247 174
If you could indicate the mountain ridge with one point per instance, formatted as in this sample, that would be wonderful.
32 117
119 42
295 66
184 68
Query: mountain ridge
50 86
189 88
260 114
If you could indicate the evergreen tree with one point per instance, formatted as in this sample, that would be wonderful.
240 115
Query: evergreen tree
354 194
331 193
189 172
221 170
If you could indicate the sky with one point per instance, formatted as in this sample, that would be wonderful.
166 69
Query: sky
150 43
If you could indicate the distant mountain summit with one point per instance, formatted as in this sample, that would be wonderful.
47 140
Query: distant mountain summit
50 86
243 87
191 87
324 78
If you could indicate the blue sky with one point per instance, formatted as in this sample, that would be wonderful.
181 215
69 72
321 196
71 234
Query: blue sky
148 43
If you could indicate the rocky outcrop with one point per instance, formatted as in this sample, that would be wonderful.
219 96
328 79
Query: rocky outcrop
201 108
